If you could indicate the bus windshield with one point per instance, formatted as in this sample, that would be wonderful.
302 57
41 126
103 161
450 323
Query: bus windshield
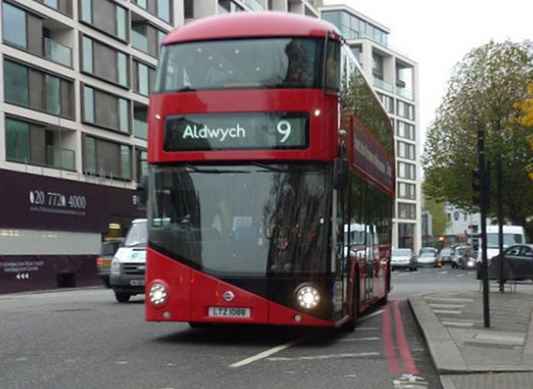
259 219
240 63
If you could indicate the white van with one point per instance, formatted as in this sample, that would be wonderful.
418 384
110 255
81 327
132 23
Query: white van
511 235
129 263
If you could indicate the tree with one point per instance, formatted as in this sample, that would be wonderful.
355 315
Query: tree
487 92
438 215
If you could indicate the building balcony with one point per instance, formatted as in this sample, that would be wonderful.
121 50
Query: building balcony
60 158
384 85
57 52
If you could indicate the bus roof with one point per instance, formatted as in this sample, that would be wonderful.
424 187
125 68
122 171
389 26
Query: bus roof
250 25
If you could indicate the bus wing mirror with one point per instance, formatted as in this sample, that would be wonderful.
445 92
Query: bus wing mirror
142 189
340 173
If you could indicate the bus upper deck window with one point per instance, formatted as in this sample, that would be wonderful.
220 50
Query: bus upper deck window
332 65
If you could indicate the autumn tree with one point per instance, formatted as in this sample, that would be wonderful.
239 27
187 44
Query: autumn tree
486 92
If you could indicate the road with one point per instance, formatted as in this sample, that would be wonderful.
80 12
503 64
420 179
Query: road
84 339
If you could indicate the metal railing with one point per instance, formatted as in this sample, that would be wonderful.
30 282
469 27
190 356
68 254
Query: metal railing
386 86
254 5
57 52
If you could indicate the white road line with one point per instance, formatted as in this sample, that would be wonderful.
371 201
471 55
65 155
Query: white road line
364 318
265 354
322 357
447 312
366 328
369 339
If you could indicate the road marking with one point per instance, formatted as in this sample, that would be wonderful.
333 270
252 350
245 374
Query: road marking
447 312
369 338
446 306
21 359
366 328
458 323
409 381
449 299
322 357
405 352
367 317
390 352
121 362
265 354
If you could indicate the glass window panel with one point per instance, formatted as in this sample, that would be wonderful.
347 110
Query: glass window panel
53 95
121 22
138 37
52 3
142 164
16 83
87 46
122 69
125 162
141 3
14 22
124 115
88 104
143 79
86 11
163 10
89 155
17 140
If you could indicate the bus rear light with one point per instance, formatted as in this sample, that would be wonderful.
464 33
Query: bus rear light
158 294
307 297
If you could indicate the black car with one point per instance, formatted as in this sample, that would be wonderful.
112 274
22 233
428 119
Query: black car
517 263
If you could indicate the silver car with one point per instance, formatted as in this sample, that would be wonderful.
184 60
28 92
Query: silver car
403 259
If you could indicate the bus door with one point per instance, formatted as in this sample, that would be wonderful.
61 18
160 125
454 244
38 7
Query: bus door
340 256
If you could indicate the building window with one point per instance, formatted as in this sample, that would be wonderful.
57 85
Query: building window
122 69
87 49
14 22
405 130
163 10
52 3
141 3
388 102
53 95
122 22
406 171
139 39
17 141
406 211
143 79
106 159
406 191
406 110
142 164
16 83
406 150
124 115
86 9
406 235
88 104
188 9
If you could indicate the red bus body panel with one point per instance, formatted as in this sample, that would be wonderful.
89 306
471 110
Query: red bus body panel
191 293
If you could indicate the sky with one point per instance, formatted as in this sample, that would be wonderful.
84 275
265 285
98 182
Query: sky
438 34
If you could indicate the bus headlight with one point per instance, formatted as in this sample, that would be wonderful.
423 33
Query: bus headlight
158 294
307 297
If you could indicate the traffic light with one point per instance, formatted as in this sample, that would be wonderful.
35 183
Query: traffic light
476 187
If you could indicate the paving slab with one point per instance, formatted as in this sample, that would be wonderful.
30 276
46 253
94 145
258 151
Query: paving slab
488 381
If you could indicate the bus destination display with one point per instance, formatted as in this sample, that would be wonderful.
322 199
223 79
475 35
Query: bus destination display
223 131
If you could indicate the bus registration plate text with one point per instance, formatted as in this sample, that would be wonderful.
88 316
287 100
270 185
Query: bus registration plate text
243 313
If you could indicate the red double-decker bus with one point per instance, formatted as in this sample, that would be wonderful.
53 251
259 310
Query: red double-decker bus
271 179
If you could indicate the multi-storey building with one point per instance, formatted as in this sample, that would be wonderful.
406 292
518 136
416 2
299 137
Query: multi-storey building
395 80
75 77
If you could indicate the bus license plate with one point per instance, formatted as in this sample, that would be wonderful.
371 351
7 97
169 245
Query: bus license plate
137 282
243 313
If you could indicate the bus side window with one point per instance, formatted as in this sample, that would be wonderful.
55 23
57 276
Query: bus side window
333 65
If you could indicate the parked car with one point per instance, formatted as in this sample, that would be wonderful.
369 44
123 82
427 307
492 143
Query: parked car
458 253
428 258
403 259
103 262
129 263
445 255
517 263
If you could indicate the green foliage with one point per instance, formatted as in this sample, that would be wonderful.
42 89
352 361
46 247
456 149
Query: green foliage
482 95
438 215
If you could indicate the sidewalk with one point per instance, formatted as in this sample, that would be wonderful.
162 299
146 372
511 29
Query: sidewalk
469 356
